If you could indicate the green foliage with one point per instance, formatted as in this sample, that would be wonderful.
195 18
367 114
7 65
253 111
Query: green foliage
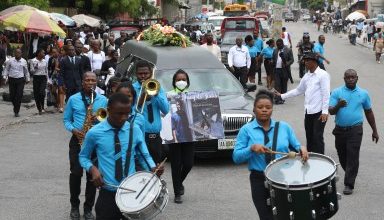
165 36
314 4
40 4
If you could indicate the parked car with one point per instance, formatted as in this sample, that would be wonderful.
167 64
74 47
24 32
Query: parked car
205 73
306 17
289 17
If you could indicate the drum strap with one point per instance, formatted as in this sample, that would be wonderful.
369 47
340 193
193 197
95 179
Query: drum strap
274 143
128 158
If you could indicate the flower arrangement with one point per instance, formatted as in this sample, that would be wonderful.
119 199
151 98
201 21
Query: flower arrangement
165 36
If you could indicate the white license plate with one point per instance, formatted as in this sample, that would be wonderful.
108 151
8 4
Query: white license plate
226 144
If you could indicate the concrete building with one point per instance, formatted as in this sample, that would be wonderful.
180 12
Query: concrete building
375 7
174 13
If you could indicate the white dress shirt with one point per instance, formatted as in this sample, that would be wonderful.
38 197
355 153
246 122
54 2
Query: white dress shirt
16 69
39 67
316 89
214 49
239 57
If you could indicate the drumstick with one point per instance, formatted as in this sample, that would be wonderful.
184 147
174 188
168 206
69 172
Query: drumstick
154 173
119 187
291 154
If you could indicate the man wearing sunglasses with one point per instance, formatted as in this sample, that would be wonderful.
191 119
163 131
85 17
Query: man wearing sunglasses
239 61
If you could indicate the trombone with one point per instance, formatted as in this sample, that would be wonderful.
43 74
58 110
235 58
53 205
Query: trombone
151 87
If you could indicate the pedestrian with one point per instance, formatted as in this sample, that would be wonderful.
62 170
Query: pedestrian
70 69
57 82
370 31
315 85
365 33
253 52
282 61
17 74
39 70
360 26
96 56
211 47
110 63
267 54
347 103
3 58
121 40
75 115
183 150
239 61
255 140
85 62
111 140
378 45
286 37
352 32
319 50
304 46
153 107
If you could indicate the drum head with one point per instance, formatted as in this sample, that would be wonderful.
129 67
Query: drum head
292 172
126 200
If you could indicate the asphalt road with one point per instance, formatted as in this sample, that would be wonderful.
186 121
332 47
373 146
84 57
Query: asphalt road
34 157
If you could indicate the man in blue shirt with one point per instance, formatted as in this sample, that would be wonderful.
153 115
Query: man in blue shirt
74 118
153 108
348 103
116 142
319 50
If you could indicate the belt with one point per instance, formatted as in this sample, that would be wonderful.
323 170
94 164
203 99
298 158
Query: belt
152 135
346 128
239 67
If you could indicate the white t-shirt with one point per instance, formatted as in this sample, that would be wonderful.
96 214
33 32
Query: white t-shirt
353 29
96 60
286 38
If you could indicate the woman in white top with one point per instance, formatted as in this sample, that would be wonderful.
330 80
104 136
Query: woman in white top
96 56
39 69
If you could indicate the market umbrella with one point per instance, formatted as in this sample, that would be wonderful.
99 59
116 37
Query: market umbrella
16 8
365 13
67 21
31 21
355 16
82 19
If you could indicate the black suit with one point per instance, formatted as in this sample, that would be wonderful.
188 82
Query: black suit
72 74
85 63
31 54
282 74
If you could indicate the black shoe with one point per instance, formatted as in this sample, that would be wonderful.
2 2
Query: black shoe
17 115
178 199
347 190
75 214
260 83
88 215
182 190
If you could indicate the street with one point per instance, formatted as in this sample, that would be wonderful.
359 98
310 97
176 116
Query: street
35 168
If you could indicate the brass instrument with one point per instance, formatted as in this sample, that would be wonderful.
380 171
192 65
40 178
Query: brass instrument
151 87
101 115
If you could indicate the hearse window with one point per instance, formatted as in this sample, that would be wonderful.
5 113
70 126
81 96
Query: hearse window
240 24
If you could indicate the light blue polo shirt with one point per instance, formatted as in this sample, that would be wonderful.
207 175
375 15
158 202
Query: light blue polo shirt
357 99
318 48
267 52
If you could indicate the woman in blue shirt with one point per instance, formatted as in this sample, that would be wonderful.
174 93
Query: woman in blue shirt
253 143
253 52
267 54
181 152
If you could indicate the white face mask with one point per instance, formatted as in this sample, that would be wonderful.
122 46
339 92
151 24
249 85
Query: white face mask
181 85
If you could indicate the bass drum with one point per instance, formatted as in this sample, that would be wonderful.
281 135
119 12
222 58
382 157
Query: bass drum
147 204
302 191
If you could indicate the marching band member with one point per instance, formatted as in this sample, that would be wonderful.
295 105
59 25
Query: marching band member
153 108
110 140
181 152
255 140
75 115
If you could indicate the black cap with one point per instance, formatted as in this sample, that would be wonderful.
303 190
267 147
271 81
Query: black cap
310 56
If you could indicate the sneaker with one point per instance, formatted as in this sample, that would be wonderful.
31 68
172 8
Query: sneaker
88 215
178 199
75 214
347 190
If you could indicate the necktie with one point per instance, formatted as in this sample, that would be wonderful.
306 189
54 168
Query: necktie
268 157
150 112
118 161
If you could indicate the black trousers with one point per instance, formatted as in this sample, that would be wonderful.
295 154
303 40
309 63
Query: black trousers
153 141
16 89
260 195
281 81
106 208
75 178
182 158
314 130
39 86
348 142
241 73
301 68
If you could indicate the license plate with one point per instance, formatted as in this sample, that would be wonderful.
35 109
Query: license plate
226 144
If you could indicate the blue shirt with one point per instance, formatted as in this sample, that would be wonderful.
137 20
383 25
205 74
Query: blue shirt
318 48
101 139
259 44
252 133
253 51
357 101
267 52
138 119
159 105
75 111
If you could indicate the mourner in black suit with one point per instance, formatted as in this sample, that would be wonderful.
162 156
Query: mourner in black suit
71 71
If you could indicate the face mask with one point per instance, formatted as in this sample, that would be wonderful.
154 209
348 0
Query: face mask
181 85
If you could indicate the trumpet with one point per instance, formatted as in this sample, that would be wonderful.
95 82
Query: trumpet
151 87
101 114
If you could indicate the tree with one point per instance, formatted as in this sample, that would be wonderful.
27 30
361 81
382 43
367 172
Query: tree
40 4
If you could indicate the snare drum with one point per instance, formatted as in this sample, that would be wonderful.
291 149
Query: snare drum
302 191
151 201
